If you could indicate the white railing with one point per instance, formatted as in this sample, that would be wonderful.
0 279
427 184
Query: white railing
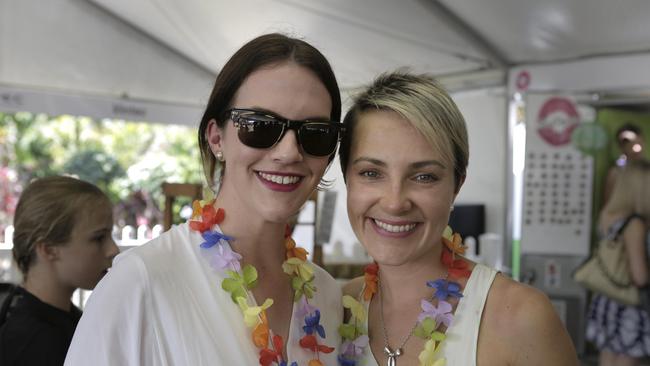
128 236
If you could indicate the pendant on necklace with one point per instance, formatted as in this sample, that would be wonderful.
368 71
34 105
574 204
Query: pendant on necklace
392 355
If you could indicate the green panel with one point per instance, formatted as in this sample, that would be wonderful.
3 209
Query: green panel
516 259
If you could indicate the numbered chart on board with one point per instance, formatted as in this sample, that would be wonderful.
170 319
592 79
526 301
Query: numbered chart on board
557 191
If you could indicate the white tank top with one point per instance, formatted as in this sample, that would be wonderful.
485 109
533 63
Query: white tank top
459 348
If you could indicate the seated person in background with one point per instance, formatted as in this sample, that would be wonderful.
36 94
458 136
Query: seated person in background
630 141
62 241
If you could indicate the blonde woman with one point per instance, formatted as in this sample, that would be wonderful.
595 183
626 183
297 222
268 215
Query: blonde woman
622 332
404 159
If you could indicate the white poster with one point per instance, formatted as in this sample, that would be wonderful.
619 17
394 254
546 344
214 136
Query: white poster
556 212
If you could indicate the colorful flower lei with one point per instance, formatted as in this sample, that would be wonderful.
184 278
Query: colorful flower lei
355 333
240 281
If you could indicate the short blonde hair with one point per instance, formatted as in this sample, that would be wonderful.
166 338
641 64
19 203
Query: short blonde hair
427 106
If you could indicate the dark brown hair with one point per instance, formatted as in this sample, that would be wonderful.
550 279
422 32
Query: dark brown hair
47 212
262 51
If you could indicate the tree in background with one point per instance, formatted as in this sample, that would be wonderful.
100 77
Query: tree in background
128 160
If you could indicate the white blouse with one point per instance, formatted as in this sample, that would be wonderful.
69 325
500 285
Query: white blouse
162 304
460 345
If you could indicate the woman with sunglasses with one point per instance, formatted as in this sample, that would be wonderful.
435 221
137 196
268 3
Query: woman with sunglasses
230 287
404 159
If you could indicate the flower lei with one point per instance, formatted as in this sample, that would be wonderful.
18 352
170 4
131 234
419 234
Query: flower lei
355 334
240 281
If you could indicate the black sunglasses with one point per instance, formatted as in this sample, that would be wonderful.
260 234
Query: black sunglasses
262 130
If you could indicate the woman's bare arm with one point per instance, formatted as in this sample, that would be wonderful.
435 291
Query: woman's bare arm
634 237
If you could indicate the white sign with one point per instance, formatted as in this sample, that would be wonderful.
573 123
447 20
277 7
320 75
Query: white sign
556 212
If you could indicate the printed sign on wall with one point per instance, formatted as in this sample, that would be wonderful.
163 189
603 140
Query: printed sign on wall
557 180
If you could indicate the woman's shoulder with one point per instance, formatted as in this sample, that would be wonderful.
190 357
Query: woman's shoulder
524 318
321 274
515 301
354 286
162 251
326 283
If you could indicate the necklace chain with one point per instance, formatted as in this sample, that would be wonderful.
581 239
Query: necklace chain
390 352
387 349
432 316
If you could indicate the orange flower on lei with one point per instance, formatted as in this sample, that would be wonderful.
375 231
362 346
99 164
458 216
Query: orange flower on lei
209 217
261 332
455 244
370 277
294 251
309 341
457 268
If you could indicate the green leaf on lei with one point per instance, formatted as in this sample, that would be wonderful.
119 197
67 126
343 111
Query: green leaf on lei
234 285
250 276
350 332
302 287
425 328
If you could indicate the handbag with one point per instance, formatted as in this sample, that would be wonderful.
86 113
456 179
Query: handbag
607 272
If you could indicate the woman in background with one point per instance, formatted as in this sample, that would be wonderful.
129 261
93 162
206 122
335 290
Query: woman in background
630 142
622 332
229 287
62 242
404 159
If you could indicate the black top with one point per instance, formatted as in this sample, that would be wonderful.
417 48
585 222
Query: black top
34 332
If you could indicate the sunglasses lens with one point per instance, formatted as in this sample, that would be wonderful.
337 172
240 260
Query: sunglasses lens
318 139
259 131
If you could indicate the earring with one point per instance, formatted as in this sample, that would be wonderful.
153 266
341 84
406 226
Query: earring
451 208
219 156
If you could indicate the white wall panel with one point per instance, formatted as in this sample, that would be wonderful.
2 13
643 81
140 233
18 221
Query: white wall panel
75 46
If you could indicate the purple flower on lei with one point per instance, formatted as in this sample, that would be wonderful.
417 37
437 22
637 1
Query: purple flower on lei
212 238
343 361
441 313
353 349
284 363
312 324
305 308
445 289
226 259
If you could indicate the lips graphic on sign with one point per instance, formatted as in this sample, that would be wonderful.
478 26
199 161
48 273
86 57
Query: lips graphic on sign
557 119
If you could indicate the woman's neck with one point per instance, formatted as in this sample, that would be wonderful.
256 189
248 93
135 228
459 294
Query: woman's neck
259 242
43 285
410 278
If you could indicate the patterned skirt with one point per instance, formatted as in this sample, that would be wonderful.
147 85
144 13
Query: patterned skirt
618 328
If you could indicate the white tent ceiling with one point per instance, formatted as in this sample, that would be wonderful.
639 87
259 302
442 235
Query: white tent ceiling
365 37
169 51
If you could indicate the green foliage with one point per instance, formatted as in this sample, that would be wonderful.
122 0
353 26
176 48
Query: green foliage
120 157
94 166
